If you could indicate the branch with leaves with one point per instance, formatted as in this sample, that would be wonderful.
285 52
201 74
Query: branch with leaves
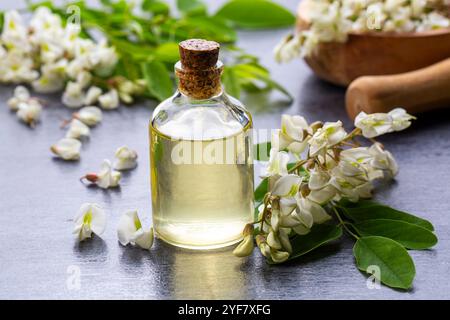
145 40
304 204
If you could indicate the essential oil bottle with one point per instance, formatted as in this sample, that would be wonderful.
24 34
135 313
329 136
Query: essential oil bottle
201 156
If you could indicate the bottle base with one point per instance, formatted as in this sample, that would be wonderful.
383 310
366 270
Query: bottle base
197 246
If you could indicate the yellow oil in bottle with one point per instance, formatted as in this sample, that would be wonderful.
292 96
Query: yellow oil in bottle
202 189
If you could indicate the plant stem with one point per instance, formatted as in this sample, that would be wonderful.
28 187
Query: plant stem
343 223
297 165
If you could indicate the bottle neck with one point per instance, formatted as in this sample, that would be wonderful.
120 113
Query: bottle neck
199 84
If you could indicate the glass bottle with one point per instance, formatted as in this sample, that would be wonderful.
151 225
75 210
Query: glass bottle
201 156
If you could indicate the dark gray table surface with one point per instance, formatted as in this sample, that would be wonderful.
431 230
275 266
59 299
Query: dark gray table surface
39 196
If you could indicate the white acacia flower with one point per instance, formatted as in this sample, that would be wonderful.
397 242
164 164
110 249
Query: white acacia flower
14 32
352 188
67 149
130 231
288 48
293 134
321 189
90 219
287 186
104 59
73 96
277 256
329 135
89 115
52 77
107 177
92 95
21 95
277 163
400 119
126 158
77 130
373 125
29 112
383 160
307 213
16 67
84 79
109 100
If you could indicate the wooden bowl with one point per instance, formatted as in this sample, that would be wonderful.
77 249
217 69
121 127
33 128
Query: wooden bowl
374 53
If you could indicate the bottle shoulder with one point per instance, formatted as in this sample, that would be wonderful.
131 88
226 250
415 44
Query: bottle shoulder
184 118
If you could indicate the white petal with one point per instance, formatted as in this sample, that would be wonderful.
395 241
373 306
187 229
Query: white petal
273 241
77 130
92 95
287 185
318 180
127 227
67 149
145 240
98 223
89 115
125 158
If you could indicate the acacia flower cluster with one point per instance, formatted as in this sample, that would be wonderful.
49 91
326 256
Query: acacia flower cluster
91 218
333 20
330 165
51 57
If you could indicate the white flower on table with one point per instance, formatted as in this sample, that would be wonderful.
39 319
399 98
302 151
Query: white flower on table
126 158
77 130
67 149
52 77
106 177
15 33
130 231
109 100
90 219
329 135
21 95
92 95
73 96
84 79
90 115
16 67
29 112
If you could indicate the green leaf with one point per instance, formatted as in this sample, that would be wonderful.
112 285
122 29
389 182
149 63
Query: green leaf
258 77
256 14
209 28
395 264
319 235
366 210
409 235
192 7
261 190
156 7
167 52
262 151
158 79
231 82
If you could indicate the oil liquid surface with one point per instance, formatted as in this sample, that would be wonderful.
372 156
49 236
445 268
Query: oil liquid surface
202 189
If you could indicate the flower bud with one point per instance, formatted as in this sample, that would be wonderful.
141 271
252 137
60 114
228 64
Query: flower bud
316 126
245 248
248 230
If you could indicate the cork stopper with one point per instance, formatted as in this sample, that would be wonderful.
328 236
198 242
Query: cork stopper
199 69
199 54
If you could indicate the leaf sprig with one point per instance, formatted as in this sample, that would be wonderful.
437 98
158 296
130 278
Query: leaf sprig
146 38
